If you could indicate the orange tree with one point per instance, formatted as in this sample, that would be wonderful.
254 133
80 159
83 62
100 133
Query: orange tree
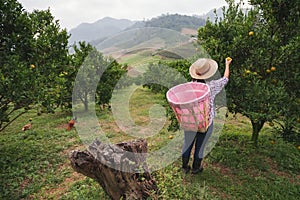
282 18
15 37
96 75
51 59
259 87
33 53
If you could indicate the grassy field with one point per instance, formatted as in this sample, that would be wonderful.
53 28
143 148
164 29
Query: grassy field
34 164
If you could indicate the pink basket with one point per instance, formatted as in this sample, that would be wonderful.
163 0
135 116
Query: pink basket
190 102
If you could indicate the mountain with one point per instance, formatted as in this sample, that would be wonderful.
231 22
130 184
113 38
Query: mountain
106 27
100 29
176 22
96 32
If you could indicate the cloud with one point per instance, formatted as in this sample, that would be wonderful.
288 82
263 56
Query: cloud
70 13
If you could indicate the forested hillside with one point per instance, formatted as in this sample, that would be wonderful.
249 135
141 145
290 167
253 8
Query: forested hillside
176 22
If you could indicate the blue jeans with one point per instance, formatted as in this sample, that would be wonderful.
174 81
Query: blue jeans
197 138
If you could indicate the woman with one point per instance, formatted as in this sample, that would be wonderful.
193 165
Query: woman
201 71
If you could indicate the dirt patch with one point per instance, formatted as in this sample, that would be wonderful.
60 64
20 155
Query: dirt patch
24 184
62 126
55 192
61 189
66 152
109 127
274 169
220 194
223 170
228 173
189 31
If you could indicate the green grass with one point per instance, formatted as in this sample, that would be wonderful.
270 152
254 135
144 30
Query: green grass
30 160
139 59
34 164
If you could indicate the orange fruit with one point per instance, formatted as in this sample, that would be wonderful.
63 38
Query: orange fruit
272 142
32 66
170 137
251 33
268 71
273 69
298 147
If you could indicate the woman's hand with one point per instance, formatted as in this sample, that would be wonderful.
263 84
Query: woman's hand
228 61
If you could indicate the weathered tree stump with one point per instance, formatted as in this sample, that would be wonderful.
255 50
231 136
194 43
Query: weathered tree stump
120 169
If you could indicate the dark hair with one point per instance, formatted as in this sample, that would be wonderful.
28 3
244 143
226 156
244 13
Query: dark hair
198 80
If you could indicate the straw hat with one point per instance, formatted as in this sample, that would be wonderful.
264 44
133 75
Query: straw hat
203 68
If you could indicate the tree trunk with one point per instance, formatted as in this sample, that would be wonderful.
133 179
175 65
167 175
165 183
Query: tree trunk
120 169
256 127
86 102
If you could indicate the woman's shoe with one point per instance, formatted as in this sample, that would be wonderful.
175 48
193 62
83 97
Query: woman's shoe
185 167
197 168
196 171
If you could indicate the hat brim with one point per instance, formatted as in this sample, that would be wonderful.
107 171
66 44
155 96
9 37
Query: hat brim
213 67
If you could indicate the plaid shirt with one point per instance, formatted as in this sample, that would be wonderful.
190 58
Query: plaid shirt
215 86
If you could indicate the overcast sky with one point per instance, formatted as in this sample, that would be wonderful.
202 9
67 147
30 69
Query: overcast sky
71 13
